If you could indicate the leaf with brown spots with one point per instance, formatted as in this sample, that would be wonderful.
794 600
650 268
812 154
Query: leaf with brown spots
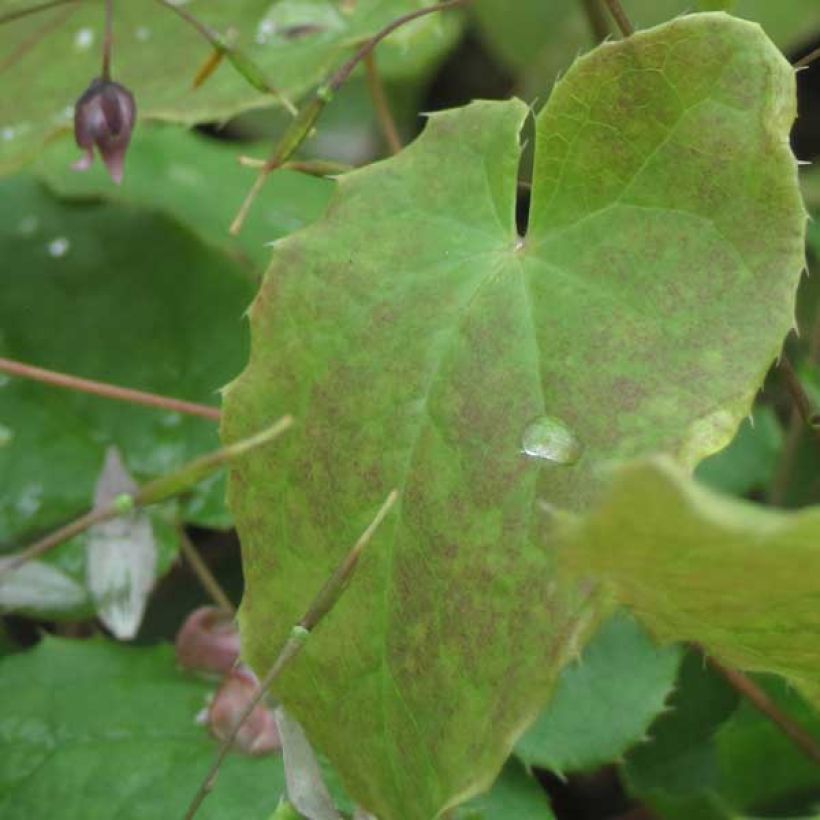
423 345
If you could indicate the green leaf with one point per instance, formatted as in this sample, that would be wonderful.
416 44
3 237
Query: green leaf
178 172
604 703
515 795
742 580
418 339
725 760
48 59
89 730
120 295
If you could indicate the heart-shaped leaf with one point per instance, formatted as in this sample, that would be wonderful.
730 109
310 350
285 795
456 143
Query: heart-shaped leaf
423 345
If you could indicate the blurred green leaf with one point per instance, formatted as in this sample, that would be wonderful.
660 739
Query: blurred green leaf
515 795
604 703
296 43
90 730
740 579
124 296
424 345
198 181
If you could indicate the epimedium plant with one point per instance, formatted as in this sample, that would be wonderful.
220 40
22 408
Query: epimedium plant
502 418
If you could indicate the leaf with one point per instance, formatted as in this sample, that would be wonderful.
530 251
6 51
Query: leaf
515 795
178 172
36 587
124 296
706 752
121 554
604 703
92 730
742 580
157 55
422 344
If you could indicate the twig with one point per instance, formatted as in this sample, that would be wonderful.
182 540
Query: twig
620 17
764 704
314 167
380 104
324 601
107 391
160 489
802 403
27 43
33 9
596 18
108 40
203 573
808 59
299 129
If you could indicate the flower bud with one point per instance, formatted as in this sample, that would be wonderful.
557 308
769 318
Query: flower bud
258 735
104 116
208 641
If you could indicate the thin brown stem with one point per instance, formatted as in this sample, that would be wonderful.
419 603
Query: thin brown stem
303 124
203 573
33 9
802 403
108 40
320 606
764 704
107 391
379 99
620 16
808 59
598 24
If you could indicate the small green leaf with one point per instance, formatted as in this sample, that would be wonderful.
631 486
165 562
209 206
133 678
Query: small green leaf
417 337
742 580
157 55
604 703
515 795
91 730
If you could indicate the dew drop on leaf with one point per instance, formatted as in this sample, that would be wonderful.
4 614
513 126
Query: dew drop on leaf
550 439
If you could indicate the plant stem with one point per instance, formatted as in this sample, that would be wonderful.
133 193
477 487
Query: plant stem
160 489
802 403
597 20
108 40
203 573
313 167
620 17
34 9
324 601
764 704
808 59
299 129
107 391
376 89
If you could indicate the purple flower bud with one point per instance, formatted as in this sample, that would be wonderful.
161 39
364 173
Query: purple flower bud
208 641
258 735
104 116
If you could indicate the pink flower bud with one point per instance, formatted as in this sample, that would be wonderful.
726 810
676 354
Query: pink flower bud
258 735
104 116
208 641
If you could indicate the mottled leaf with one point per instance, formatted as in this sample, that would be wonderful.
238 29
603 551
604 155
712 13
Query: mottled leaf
90 730
424 345
742 580
48 59
603 703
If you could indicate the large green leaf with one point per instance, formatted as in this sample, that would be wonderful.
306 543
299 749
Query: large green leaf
90 731
48 59
423 345
604 703
121 295
197 181
742 580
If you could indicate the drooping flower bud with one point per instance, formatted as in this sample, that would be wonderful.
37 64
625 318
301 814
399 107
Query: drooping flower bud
208 641
104 116
258 735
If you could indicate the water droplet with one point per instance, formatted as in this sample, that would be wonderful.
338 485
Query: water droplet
550 439
143 33
28 225
6 435
8 133
58 247
84 39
